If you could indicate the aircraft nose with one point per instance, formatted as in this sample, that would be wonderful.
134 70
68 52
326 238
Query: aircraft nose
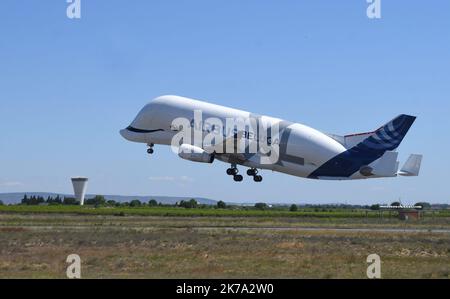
133 136
124 133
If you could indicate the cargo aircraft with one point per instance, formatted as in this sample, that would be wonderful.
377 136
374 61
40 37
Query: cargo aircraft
203 132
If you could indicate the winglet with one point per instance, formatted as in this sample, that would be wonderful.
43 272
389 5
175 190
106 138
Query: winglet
412 166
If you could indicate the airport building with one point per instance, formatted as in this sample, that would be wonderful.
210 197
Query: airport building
409 214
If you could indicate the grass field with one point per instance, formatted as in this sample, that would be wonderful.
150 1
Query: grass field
154 243
201 212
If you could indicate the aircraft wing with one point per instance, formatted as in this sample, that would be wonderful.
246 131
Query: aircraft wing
232 145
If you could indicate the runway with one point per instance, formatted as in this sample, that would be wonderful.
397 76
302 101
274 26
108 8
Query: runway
235 228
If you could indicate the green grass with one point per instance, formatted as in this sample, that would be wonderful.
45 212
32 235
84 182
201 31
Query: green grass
37 245
174 211
197 212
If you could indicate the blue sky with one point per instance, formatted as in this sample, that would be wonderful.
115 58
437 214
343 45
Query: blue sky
68 86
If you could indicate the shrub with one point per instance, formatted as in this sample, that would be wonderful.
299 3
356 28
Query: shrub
375 207
70 201
189 204
111 203
135 203
98 200
152 203
33 200
261 206
221 205
293 208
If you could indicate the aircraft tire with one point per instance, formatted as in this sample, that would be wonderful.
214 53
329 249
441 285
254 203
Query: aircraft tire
238 178
257 178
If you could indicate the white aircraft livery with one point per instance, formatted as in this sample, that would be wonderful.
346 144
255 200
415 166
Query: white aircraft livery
202 132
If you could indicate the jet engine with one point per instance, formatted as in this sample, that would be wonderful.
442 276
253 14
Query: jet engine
366 171
195 154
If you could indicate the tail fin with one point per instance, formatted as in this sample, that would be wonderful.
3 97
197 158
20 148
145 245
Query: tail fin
365 148
389 136
412 166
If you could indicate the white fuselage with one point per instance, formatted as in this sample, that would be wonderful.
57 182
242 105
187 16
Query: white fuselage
302 151
153 124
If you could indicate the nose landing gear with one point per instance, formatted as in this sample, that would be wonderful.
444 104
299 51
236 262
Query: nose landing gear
150 149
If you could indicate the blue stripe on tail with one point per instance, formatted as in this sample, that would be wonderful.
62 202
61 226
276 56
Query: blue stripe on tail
386 138
389 137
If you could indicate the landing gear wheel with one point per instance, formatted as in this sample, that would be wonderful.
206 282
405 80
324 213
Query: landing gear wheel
232 171
150 148
252 172
257 178
238 178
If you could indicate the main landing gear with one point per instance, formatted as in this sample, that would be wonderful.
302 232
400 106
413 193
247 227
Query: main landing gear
238 178
150 149
235 173
254 173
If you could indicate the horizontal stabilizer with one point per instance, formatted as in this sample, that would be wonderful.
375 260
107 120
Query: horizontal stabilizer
412 166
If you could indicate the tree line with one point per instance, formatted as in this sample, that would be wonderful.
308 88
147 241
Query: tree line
100 200
39 200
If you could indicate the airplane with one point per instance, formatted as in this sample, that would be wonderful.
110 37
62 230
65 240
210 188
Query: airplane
292 148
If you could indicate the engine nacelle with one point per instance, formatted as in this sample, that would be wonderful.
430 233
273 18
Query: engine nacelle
366 171
195 154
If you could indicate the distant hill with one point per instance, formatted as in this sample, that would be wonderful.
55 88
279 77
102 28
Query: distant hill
13 198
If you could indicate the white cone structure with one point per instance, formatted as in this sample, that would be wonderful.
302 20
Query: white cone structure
79 188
